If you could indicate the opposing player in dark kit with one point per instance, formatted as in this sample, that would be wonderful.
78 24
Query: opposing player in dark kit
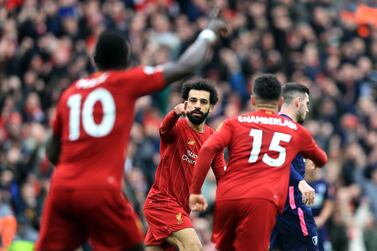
295 228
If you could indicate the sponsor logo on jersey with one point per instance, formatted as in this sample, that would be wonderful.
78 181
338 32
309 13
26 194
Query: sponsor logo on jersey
179 218
315 240
190 157
191 142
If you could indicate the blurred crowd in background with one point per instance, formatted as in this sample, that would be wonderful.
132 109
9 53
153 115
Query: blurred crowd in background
325 44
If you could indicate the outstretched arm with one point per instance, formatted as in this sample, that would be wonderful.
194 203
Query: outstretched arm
195 54
168 124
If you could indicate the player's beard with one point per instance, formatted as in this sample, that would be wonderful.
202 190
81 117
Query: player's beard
300 118
197 120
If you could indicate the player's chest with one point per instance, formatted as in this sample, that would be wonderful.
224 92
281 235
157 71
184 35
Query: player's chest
189 148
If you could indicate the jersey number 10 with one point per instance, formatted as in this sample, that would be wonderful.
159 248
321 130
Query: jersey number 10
86 114
274 146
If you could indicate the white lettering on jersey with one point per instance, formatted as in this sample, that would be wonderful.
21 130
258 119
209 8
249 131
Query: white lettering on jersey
89 83
190 157
267 121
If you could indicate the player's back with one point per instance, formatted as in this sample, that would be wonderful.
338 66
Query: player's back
93 118
261 147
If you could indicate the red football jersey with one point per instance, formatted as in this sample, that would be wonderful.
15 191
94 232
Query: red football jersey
261 147
93 119
180 145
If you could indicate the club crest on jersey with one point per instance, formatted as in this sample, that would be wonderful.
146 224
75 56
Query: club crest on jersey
315 240
191 142
179 219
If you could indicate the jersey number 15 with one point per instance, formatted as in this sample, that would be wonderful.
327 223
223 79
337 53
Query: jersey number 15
86 114
274 146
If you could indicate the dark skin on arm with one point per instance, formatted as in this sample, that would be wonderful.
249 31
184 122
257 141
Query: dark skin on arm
53 149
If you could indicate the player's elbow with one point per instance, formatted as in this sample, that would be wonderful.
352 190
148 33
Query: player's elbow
322 161
178 70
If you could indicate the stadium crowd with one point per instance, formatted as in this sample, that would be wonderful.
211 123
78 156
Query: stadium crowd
46 44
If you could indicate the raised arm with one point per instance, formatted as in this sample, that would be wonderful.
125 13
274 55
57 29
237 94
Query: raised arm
193 57
168 124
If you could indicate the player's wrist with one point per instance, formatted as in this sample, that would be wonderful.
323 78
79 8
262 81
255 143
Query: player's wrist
208 35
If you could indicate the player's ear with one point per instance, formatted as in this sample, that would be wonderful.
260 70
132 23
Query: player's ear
252 100
210 108
280 102
297 101
185 105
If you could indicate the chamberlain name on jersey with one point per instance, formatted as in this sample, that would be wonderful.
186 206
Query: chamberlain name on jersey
267 121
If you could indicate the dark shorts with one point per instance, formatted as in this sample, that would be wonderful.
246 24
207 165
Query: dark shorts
163 219
295 230
322 238
71 217
244 224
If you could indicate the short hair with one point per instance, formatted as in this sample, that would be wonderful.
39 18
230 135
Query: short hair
200 84
112 51
291 90
267 87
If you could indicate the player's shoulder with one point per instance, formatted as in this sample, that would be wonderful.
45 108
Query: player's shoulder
137 70
239 119
208 129
182 124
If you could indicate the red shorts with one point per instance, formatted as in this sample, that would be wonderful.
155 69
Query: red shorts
244 224
163 219
104 216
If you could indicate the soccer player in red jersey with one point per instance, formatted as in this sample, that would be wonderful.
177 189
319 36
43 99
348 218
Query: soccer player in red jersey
253 189
166 208
90 134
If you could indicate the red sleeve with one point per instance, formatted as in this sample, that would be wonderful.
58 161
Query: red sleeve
310 149
167 127
145 80
214 144
218 165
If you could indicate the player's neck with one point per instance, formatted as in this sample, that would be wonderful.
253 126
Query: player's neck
288 112
266 107
198 128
